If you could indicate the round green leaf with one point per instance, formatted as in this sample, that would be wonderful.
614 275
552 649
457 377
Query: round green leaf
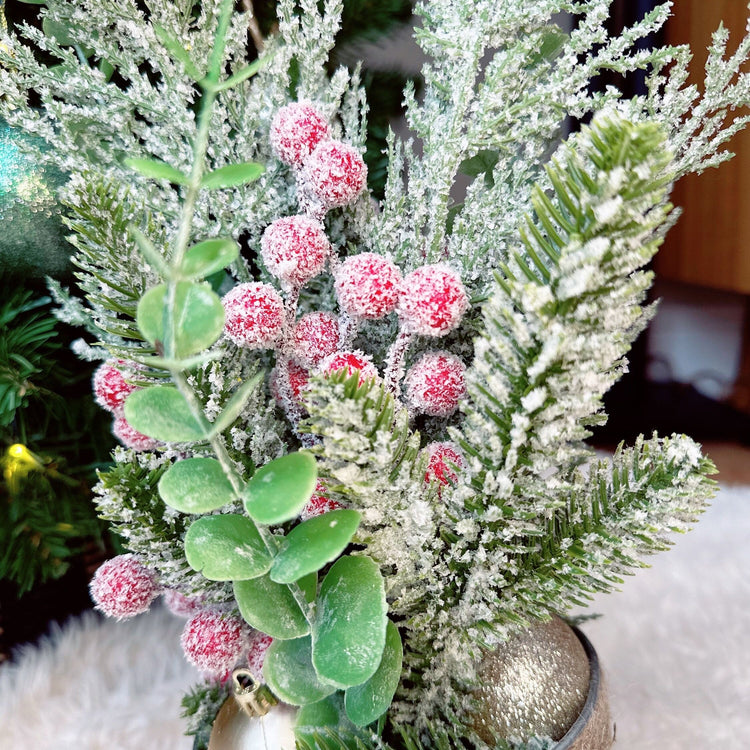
162 413
328 712
207 257
367 702
271 608
226 548
232 175
349 630
198 317
289 672
312 544
196 485
279 490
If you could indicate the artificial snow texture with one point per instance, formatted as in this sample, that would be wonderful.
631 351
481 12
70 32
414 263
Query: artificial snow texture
315 336
368 285
110 388
335 173
441 460
674 645
123 587
295 131
351 362
294 249
130 437
433 301
254 315
436 383
213 642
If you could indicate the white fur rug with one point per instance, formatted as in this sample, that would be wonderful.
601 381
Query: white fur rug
675 645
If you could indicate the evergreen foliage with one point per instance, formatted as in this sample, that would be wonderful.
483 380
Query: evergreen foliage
48 436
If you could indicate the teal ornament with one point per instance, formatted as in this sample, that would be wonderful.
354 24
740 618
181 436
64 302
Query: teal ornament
32 235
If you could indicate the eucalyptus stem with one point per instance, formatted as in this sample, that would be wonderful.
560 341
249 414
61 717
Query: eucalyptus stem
209 86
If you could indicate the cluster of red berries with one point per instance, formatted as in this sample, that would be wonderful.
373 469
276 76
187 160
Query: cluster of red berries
330 173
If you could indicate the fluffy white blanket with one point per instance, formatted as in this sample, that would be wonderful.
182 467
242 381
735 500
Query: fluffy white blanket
675 645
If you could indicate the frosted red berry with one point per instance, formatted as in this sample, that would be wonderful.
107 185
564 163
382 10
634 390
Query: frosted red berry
435 384
441 460
299 377
131 438
368 286
318 504
295 249
295 132
314 337
258 646
181 605
432 301
123 587
214 641
335 174
351 362
110 388
254 315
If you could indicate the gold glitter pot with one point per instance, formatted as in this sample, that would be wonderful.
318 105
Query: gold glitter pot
544 682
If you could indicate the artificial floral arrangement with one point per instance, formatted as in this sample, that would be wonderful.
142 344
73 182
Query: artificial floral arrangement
354 429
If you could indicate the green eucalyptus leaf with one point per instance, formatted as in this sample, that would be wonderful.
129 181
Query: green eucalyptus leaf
226 548
58 31
154 258
177 51
156 170
370 700
232 175
350 622
196 485
289 672
327 713
198 317
309 586
209 256
236 404
312 544
271 608
241 75
162 413
280 490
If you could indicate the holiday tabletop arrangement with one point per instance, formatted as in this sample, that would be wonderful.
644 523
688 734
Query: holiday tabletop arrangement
354 425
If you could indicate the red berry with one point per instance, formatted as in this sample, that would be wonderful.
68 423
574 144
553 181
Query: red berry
335 173
298 380
368 286
432 302
442 457
131 438
436 383
254 315
123 587
213 641
351 362
318 504
314 337
181 605
295 249
110 388
295 131
256 656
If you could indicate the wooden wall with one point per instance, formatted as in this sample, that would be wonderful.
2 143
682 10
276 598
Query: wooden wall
710 245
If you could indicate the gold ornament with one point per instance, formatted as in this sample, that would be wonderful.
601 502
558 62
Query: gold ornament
252 719
534 684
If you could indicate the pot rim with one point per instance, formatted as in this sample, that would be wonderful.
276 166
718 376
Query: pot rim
595 679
